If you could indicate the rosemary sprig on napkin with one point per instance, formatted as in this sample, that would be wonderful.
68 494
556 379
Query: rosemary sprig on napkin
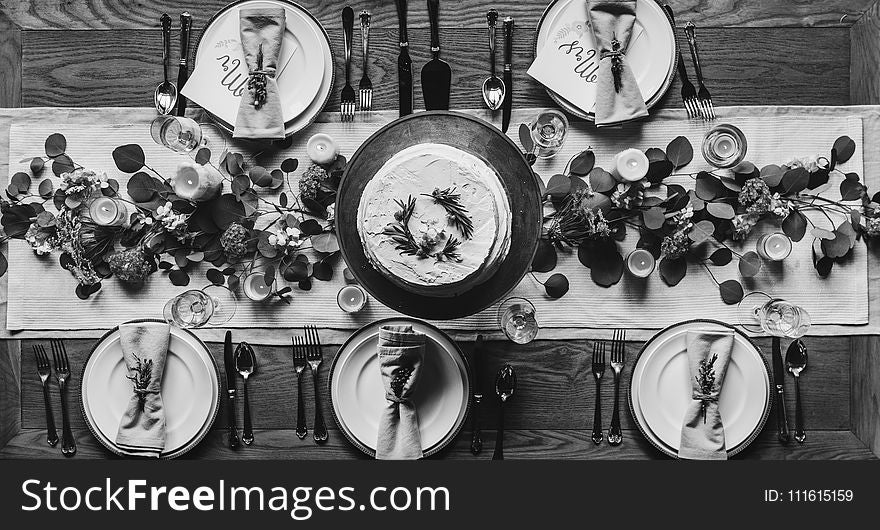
143 375
706 379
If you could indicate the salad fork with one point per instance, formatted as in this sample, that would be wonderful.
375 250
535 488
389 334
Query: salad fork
347 97
365 86
314 356
299 364
705 99
598 370
45 371
62 373
618 357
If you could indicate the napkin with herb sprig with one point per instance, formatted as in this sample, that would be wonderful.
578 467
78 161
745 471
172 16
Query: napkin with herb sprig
259 114
401 353
144 349
702 431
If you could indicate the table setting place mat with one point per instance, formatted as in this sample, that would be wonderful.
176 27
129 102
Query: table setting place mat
37 296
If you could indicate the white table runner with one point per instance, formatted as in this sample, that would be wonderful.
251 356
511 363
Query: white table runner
41 294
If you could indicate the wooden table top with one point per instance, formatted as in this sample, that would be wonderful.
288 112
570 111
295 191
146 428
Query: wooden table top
108 53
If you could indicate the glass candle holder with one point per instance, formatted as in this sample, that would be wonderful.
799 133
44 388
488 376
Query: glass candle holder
107 211
351 298
548 131
629 165
255 287
724 146
640 263
774 247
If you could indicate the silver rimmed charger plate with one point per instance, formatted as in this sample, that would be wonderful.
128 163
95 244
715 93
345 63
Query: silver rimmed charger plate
357 396
190 391
660 388
654 73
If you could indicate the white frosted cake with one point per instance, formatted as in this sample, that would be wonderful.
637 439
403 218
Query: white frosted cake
435 220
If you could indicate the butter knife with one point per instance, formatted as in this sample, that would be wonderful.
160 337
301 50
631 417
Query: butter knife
778 378
507 106
477 362
229 362
404 63
183 69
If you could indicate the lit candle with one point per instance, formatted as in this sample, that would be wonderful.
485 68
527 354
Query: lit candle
322 149
630 165
724 146
640 263
107 211
256 288
774 247
351 298
195 182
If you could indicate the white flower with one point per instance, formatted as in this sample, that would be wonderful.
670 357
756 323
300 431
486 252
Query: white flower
164 210
293 232
331 212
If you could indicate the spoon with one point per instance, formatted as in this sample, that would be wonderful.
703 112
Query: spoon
505 384
493 86
166 93
796 361
246 364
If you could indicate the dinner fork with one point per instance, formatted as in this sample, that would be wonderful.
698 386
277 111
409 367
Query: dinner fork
45 370
598 370
299 364
315 357
347 97
62 373
688 92
706 107
618 357
365 86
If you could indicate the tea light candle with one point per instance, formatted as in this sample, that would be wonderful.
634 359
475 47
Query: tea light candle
630 165
255 287
724 146
106 211
195 182
640 263
774 247
322 149
351 298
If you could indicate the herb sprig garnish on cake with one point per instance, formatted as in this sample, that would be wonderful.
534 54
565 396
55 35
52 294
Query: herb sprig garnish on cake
423 247
458 214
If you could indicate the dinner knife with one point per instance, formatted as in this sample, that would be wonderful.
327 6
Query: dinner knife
229 361
778 378
507 106
477 362
404 63
183 69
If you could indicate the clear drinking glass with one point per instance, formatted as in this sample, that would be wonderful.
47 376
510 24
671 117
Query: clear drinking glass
177 133
516 317
215 304
724 146
548 131
774 316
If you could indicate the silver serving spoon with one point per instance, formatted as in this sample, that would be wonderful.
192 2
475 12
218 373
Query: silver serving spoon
165 97
246 364
505 384
796 361
493 86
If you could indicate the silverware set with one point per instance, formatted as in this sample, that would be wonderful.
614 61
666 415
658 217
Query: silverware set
61 366
307 351
617 348
349 101
698 104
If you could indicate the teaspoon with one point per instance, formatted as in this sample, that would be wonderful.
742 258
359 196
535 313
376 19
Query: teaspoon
493 86
165 97
505 384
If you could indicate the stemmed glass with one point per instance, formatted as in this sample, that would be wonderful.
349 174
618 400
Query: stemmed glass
548 130
178 133
214 305
760 312
516 317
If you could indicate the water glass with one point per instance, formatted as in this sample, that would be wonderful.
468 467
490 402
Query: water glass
516 317
783 319
548 131
190 309
177 133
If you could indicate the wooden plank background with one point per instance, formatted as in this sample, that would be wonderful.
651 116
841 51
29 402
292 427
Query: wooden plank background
107 53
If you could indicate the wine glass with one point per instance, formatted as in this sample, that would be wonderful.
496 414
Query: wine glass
773 316
548 130
177 133
516 317
214 305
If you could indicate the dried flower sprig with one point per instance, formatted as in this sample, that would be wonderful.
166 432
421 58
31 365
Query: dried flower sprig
399 379
706 380
143 371
458 214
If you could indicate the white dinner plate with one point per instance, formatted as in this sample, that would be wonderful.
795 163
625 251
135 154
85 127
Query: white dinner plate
442 396
661 388
190 391
652 55
305 81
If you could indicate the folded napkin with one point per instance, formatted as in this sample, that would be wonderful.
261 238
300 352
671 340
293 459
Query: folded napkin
702 432
618 97
142 428
259 115
401 352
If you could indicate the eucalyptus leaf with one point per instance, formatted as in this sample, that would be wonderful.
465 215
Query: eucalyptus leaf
606 264
129 158
21 181
62 164
56 144
721 257
545 257
583 163
179 278
851 190
289 165
721 210
673 270
558 186
709 187
772 175
326 243
749 264
795 180
141 187
203 156
215 276
601 181
702 231
653 218
37 164
731 292
795 225
654 154
680 151
556 286
659 170
845 147
525 138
